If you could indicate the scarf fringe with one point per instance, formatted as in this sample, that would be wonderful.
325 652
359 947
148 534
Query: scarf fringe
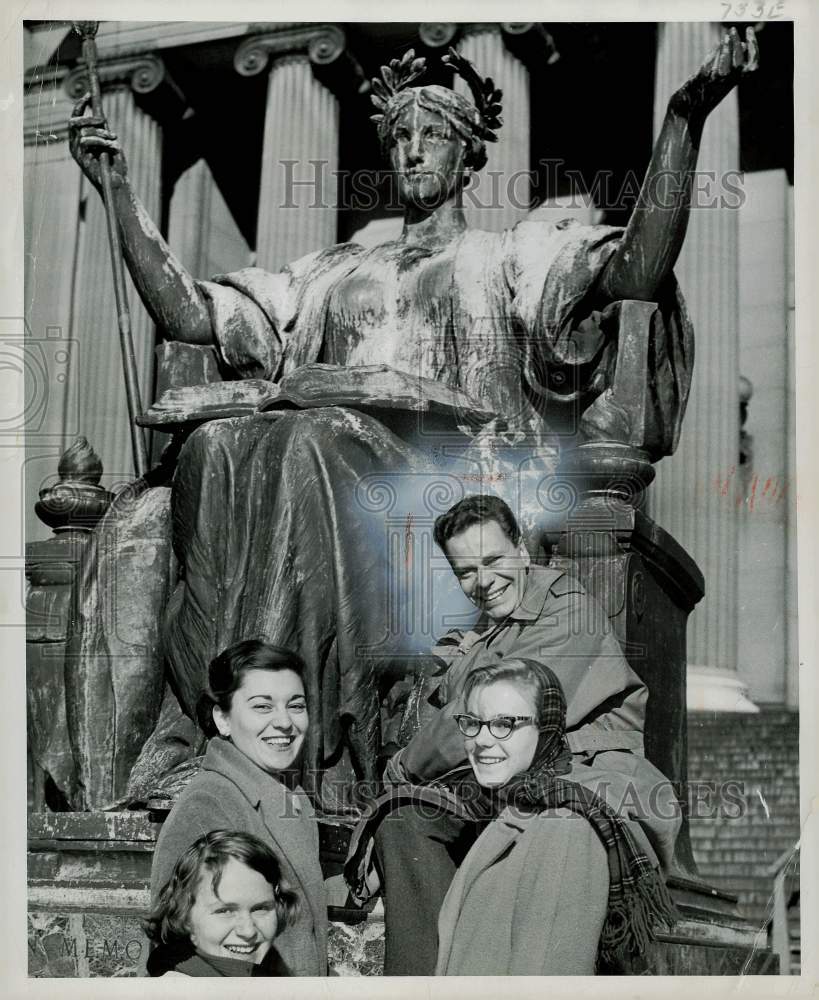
631 921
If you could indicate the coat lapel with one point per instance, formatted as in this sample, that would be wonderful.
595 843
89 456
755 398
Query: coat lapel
288 816
495 841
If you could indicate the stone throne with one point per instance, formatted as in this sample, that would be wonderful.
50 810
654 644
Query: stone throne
99 860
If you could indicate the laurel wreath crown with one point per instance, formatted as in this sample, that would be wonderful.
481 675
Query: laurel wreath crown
400 73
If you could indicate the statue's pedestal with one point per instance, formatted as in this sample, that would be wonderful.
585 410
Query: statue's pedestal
648 585
89 876
711 938
89 884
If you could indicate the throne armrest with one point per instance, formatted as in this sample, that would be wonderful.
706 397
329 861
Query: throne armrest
181 365
627 410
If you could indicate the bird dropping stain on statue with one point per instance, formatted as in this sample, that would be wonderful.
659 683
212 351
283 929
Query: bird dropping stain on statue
408 543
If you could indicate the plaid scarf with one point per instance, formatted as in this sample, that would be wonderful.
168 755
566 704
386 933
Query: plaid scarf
638 897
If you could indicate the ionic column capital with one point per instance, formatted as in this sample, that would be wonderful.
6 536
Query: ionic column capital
143 74
435 35
530 42
325 45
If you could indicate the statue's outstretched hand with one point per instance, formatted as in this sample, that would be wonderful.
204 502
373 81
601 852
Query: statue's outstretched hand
718 75
88 136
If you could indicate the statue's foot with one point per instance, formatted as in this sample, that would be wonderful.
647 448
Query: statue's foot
170 786
170 749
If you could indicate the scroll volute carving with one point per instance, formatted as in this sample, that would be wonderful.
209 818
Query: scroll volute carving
325 45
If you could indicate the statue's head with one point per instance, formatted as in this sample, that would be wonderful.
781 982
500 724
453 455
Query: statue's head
433 127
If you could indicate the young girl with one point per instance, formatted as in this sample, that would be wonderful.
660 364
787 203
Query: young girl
220 911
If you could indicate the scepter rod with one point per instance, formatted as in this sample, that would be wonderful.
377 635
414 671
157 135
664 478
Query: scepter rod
87 30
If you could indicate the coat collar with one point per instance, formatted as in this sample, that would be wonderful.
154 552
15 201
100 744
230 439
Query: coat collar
539 582
257 785
499 836
538 585
288 816
223 757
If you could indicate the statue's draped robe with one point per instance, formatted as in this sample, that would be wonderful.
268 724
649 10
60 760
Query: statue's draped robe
275 527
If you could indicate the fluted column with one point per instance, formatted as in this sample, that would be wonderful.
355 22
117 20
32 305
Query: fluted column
499 196
690 498
298 210
51 184
201 229
97 378
765 501
297 201
792 592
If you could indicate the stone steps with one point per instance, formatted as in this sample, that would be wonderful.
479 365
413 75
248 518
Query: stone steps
760 753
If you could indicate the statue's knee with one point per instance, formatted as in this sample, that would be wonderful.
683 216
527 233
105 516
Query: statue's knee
321 428
216 435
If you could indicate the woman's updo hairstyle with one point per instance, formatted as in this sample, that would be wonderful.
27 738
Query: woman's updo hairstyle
227 670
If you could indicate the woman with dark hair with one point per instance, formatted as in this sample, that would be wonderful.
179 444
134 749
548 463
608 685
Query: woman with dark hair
220 911
255 710
563 880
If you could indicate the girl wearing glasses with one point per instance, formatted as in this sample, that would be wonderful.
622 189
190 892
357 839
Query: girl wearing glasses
560 882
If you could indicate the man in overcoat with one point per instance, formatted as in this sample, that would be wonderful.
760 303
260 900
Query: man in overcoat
541 614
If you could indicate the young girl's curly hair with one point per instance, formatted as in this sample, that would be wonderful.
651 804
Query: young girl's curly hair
168 920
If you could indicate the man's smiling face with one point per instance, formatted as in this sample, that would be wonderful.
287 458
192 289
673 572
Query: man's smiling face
490 568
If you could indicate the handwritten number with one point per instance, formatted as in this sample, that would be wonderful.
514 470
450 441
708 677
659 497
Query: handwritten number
756 10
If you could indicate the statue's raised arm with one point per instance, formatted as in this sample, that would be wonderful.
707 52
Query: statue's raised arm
655 233
169 292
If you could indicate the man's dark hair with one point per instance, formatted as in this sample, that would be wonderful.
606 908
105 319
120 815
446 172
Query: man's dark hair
475 509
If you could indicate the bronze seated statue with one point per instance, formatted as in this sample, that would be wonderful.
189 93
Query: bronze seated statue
378 384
